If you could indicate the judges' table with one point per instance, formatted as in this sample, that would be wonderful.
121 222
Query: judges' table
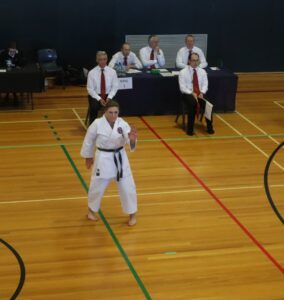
158 95
28 79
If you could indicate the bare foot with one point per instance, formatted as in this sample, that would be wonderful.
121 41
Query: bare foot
92 216
132 220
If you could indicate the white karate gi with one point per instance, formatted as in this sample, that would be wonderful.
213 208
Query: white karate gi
101 135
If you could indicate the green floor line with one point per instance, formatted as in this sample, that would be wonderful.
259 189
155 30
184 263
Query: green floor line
37 145
194 138
108 227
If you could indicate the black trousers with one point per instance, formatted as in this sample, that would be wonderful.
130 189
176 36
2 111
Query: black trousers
190 103
94 107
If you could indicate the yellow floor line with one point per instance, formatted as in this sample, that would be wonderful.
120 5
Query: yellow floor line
234 188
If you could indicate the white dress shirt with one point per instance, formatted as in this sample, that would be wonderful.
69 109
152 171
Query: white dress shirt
182 57
159 59
132 59
186 77
94 82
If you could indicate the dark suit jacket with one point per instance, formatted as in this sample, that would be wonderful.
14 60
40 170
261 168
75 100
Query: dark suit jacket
17 60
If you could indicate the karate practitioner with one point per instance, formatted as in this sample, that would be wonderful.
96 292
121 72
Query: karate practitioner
109 134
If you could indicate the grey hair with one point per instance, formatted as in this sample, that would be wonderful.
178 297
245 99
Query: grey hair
151 36
101 53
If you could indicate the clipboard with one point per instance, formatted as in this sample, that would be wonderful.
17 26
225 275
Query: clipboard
208 111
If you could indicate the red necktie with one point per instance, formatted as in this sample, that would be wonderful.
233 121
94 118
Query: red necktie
152 57
196 90
189 56
103 85
125 61
195 83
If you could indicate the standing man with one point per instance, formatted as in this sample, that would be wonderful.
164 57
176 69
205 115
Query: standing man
185 52
126 58
152 56
193 84
102 85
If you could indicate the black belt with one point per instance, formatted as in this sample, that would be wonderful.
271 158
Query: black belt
119 172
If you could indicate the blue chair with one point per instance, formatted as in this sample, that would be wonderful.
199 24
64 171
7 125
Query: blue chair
47 59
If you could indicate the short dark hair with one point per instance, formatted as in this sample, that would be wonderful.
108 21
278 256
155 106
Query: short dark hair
110 104
151 36
193 53
125 43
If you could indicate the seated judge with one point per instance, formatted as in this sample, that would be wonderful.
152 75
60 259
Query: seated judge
11 57
184 53
193 83
126 58
102 85
152 56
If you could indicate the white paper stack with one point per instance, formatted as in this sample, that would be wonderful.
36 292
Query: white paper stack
175 73
163 70
133 71
208 110
167 74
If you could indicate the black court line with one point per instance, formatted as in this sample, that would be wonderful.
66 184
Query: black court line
266 184
22 269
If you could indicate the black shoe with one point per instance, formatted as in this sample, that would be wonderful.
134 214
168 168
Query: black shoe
210 131
191 133
16 100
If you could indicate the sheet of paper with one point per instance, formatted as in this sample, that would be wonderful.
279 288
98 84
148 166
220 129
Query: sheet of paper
214 68
167 74
3 70
175 73
133 71
163 70
208 110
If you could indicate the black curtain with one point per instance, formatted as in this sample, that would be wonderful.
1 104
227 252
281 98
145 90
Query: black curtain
243 35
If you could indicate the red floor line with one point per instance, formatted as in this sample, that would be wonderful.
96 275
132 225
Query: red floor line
219 202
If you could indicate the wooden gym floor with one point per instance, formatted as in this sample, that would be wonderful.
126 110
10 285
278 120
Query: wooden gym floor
205 228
